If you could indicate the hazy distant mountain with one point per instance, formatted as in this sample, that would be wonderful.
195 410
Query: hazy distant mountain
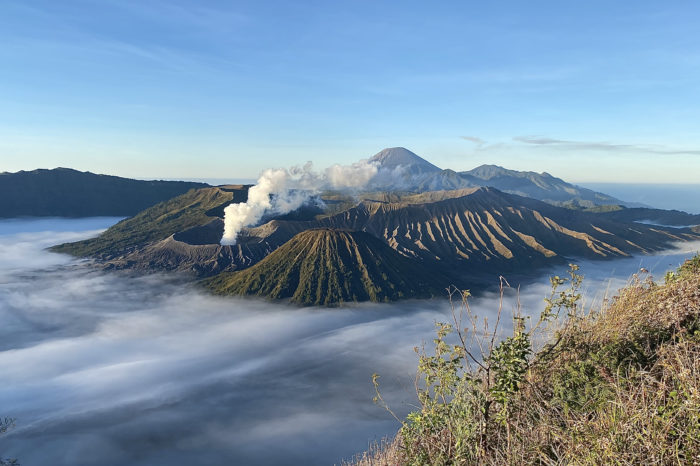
71 193
401 158
401 169
326 267
542 186
63 192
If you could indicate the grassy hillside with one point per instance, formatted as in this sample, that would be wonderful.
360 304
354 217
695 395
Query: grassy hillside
617 385
158 222
324 267
63 192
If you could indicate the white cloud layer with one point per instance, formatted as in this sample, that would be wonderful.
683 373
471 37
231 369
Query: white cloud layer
112 369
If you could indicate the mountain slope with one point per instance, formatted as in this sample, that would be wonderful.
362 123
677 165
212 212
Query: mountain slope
464 233
485 229
402 170
542 186
158 222
323 267
63 192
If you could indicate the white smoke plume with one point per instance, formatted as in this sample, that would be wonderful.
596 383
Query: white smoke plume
280 191
352 176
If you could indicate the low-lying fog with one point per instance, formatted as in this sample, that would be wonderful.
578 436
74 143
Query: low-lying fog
111 369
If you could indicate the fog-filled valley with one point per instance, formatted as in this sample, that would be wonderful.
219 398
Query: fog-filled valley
116 368
349 233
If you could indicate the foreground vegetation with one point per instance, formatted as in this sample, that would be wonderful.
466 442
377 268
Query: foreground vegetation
615 385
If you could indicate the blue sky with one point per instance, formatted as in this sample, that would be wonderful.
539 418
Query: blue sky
588 91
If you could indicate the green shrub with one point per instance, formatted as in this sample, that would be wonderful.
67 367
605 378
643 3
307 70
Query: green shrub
618 385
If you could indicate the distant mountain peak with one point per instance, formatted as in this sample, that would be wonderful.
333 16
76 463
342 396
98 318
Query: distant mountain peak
394 157
403 170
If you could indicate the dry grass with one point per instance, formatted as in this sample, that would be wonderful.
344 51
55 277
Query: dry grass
385 453
620 385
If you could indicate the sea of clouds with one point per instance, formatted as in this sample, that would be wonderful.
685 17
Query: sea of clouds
112 368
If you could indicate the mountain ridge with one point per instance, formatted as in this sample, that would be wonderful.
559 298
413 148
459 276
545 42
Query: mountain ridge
464 236
469 232
65 192
188 210
410 172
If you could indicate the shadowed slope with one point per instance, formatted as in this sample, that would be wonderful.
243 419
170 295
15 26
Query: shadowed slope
64 192
324 267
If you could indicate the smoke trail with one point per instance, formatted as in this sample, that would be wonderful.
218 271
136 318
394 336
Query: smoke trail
352 176
280 191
